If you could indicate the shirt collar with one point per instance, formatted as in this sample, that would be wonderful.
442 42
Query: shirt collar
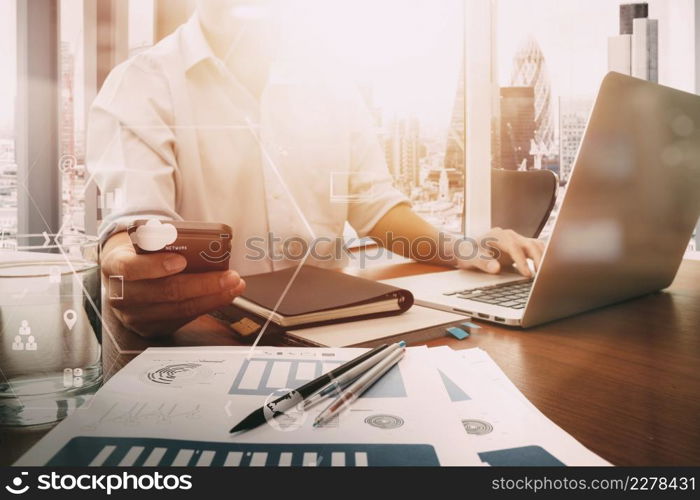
195 47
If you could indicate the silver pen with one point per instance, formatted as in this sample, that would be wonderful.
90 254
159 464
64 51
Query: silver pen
355 390
346 378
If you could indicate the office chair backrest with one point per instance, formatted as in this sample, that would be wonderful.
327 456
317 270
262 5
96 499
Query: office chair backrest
522 200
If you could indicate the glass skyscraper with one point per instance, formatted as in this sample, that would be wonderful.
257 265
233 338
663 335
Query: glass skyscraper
530 70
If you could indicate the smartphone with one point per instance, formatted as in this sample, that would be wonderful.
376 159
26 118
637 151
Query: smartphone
205 245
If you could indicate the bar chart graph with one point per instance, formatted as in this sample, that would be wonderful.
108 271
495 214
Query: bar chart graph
150 452
261 377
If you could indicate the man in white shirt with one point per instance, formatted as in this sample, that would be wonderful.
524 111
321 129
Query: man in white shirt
210 125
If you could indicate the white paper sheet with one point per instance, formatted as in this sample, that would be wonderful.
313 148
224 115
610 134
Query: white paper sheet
176 406
503 426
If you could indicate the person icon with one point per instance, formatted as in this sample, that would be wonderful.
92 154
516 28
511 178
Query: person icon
17 345
24 328
31 343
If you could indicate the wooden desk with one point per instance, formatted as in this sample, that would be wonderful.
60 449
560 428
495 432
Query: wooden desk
624 380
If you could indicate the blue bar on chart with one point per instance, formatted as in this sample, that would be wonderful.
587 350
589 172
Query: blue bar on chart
126 452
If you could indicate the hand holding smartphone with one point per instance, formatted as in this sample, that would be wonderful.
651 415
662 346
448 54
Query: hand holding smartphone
168 274
205 245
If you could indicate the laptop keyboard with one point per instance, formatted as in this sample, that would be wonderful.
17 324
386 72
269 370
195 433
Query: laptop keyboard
513 294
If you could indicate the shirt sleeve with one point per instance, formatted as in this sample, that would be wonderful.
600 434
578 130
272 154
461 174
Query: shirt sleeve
370 184
130 151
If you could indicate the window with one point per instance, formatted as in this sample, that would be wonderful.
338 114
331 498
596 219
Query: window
552 56
8 93
405 58
137 34
71 115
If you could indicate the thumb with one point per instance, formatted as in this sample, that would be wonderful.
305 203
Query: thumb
131 266
488 264
482 262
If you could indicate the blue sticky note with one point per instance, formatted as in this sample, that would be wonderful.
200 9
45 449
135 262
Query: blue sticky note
458 333
471 325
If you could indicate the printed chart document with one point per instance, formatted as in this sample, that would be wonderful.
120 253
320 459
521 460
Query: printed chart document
175 406
504 428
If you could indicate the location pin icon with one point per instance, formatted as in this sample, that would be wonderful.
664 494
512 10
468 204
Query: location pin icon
70 318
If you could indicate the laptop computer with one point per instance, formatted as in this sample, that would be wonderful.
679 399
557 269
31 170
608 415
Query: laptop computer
625 221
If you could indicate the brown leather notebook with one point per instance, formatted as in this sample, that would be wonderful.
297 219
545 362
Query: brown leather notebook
319 296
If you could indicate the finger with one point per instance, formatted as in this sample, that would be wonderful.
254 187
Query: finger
178 288
488 247
185 310
488 264
513 246
518 255
124 261
484 262
152 330
534 249
159 329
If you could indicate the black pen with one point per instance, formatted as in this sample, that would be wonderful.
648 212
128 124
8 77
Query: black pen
292 398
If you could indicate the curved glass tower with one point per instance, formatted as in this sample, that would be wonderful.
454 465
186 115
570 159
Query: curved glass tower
530 70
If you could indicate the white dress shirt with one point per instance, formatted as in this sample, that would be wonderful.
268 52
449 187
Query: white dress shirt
174 135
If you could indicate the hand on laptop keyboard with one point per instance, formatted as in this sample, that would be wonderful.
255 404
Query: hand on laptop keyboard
499 248
513 294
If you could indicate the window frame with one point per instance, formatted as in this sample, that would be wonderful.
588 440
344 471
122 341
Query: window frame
106 44
36 118
481 106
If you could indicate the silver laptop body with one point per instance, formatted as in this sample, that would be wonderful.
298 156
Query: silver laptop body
627 215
